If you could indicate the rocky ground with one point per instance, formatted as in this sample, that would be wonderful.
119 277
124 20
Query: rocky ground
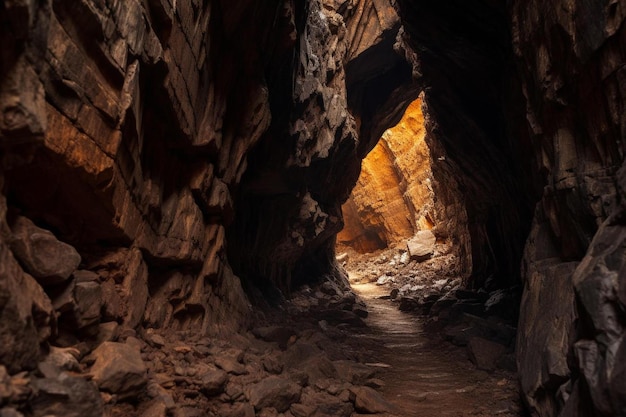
320 353
426 284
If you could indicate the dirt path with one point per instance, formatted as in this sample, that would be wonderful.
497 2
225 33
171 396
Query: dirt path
425 377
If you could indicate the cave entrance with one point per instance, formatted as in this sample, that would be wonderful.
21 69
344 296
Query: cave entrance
393 198
405 224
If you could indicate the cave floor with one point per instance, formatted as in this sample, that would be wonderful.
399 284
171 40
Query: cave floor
424 375
324 352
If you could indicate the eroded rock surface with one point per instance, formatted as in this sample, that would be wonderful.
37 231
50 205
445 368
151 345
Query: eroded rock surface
156 158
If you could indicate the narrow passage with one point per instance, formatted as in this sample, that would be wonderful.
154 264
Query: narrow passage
424 375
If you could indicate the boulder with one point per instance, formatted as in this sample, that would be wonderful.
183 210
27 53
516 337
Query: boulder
236 410
231 365
26 316
119 369
277 334
484 353
353 372
422 245
369 401
275 392
47 259
88 303
65 396
213 382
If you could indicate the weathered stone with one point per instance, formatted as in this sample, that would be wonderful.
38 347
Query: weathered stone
230 364
10 412
113 307
213 382
352 372
394 197
60 360
370 401
26 316
67 396
44 257
135 288
321 403
275 392
5 388
277 334
156 408
422 245
484 353
273 365
544 330
237 410
119 369
88 302
108 332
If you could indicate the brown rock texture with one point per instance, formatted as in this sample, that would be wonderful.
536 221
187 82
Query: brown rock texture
126 130
177 152
393 197
525 108
306 171
571 56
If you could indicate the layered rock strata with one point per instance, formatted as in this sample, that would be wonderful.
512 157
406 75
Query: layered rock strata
127 128
394 196
525 104
153 147
571 59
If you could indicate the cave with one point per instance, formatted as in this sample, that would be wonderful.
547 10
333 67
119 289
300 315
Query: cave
172 177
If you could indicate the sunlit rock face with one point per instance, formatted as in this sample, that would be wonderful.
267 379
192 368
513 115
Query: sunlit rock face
394 196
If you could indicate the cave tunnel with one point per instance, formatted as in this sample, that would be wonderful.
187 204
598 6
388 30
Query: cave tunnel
175 177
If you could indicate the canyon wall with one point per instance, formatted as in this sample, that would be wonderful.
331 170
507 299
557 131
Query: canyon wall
572 341
125 126
461 56
158 157
527 101
150 148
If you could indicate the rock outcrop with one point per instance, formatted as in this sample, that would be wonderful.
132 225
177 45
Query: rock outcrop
524 100
524 112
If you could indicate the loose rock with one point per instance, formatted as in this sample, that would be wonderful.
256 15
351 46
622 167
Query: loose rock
484 353
370 401
275 392
119 369
422 245
47 259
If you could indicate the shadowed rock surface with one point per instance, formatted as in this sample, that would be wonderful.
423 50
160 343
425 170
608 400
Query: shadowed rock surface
178 166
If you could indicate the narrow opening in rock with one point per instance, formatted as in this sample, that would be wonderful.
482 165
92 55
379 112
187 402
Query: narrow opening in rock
393 198
394 217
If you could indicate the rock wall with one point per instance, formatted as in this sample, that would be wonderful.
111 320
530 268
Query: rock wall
306 170
163 144
571 59
124 127
526 102
462 58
